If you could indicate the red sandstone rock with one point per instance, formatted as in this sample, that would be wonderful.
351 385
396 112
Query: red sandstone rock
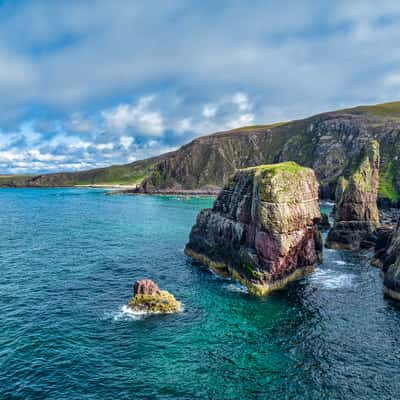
146 286
262 229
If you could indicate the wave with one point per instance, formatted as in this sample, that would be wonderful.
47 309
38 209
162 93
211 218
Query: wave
236 288
126 313
331 279
341 262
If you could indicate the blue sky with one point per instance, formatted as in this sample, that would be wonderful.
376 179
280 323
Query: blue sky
85 84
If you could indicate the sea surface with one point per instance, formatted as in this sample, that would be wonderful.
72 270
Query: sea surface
69 258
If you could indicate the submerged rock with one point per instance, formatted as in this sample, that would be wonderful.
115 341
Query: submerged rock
324 224
147 297
262 229
357 214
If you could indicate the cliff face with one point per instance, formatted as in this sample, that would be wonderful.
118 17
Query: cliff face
387 257
262 229
328 143
357 214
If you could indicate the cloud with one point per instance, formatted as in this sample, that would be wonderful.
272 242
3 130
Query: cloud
392 80
242 101
75 77
126 141
138 116
209 110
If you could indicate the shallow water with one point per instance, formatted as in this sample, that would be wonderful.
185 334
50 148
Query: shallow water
68 259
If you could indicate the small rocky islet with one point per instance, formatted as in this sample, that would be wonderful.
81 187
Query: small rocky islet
150 299
264 227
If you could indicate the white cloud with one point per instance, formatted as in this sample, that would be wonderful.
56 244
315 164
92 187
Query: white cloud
37 155
104 146
138 117
78 123
392 80
126 141
183 125
209 110
264 63
242 101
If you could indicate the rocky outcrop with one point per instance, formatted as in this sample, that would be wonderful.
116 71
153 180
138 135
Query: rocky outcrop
387 257
148 298
262 229
357 215
383 240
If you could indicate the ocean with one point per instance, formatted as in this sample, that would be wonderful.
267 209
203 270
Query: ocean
68 261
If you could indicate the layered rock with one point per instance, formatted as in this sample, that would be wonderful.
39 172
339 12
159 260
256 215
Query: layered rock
262 229
148 298
357 215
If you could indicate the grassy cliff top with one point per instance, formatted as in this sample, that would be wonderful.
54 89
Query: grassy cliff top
286 182
391 109
287 166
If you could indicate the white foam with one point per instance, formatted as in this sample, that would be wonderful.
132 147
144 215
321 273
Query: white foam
236 287
126 313
340 262
327 203
331 279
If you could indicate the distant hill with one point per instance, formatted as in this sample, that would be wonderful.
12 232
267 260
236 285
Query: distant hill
326 142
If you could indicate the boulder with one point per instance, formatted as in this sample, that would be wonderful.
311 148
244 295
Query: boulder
262 229
357 215
147 297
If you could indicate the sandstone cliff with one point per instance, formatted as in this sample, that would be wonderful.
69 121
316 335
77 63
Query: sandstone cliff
262 229
357 214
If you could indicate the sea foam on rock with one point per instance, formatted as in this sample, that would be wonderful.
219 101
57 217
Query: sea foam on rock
262 229
357 215
148 298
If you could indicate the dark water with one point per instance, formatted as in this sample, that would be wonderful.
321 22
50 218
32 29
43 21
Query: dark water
68 259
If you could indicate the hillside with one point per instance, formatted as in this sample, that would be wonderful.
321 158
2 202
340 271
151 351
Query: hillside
326 142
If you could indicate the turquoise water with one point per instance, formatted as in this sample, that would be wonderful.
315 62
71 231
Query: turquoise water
68 259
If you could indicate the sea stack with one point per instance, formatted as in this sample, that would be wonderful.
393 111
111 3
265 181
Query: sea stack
262 229
148 298
357 214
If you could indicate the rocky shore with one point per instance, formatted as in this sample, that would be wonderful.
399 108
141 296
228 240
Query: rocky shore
262 229
169 192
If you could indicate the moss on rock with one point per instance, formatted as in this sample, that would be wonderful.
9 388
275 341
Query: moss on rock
163 302
149 298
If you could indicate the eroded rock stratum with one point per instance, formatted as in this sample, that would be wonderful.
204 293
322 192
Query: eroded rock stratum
262 229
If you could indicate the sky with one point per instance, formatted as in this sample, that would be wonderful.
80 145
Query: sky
86 84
